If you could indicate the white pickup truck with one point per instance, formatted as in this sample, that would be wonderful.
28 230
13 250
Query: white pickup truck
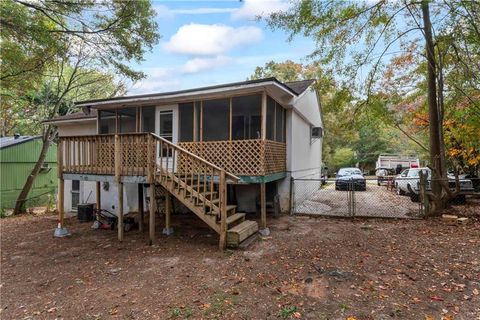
408 183
390 164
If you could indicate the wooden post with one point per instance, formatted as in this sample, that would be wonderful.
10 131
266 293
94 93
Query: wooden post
60 201
223 210
152 213
118 158
61 184
264 115
120 211
168 230
264 231
151 158
99 197
141 221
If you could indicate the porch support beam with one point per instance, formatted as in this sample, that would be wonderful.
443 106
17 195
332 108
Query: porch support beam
120 211
152 209
61 202
264 231
141 221
98 197
264 115
168 230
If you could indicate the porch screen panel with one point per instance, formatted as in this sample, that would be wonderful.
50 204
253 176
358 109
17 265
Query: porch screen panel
148 119
216 115
127 120
246 117
107 122
186 121
279 123
270 119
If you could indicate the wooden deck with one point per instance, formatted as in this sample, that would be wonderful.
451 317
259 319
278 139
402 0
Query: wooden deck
98 154
196 174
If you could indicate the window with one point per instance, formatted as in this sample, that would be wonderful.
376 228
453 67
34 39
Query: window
186 121
215 117
246 117
166 131
75 192
148 119
166 125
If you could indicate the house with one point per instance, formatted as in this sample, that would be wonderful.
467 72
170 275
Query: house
18 156
221 151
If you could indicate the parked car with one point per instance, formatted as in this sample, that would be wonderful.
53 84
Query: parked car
408 183
348 177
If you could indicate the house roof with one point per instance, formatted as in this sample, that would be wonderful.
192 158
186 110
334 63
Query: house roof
76 116
294 88
6 142
300 86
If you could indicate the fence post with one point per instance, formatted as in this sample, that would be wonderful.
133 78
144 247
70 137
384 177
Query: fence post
424 200
292 195
353 198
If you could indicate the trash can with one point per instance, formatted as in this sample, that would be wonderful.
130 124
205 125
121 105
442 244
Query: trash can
85 212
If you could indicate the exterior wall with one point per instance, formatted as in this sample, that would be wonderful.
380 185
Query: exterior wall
16 163
304 155
81 128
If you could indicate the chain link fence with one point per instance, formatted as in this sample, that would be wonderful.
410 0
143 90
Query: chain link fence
388 197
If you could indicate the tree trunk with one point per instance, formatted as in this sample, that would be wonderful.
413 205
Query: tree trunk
22 197
434 125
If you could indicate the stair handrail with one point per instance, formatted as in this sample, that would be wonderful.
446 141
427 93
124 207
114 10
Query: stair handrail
231 176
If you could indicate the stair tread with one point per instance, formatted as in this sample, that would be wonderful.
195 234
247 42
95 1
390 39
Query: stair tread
231 207
242 226
235 217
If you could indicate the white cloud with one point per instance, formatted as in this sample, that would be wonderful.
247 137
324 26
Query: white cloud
201 64
214 39
254 8
203 10
163 11
157 80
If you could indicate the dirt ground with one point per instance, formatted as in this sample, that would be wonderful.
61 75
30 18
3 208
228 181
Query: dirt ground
310 268
376 201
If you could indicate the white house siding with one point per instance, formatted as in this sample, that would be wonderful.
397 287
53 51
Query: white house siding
304 156
81 128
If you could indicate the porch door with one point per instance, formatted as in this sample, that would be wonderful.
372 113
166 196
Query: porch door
166 131
75 192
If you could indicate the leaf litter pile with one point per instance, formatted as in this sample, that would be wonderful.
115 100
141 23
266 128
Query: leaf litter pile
309 268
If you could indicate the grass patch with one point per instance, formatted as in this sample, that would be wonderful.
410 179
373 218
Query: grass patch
287 311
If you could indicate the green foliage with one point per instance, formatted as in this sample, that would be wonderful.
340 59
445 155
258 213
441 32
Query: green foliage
342 157
35 33
287 311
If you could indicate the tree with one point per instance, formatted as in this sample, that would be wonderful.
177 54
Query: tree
357 37
69 51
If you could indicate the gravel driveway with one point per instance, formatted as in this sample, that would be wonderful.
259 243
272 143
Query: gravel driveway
376 201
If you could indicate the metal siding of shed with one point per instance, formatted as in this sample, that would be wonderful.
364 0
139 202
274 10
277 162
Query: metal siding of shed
16 163
27 152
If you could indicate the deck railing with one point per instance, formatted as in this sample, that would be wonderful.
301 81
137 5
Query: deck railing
254 157
131 154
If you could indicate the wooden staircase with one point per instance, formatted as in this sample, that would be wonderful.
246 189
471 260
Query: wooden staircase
201 186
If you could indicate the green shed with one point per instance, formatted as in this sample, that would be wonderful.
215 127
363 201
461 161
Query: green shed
18 156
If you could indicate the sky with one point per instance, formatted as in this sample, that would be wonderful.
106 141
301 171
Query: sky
213 42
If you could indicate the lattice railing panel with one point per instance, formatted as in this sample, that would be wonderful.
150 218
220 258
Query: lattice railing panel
240 157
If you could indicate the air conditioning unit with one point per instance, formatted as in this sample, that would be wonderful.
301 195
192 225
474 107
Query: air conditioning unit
317 132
